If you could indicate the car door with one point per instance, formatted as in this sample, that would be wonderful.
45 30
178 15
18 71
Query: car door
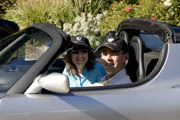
137 103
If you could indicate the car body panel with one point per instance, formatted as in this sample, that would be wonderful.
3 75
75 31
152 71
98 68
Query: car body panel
169 70
133 104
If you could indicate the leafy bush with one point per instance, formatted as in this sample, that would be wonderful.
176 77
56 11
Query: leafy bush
93 7
150 9
172 13
6 4
27 12
88 26
85 16
58 12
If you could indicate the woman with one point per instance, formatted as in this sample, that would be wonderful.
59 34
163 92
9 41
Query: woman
81 67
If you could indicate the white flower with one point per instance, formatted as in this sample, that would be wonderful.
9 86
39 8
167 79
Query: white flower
89 16
78 19
76 26
97 42
87 26
105 13
99 17
167 3
84 30
84 24
67 27
97 30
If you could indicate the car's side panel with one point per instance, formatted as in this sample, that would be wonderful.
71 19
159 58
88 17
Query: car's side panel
140 103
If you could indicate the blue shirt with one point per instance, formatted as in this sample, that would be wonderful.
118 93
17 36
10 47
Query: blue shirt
88 77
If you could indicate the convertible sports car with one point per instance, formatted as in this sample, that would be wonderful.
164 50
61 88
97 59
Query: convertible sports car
33 88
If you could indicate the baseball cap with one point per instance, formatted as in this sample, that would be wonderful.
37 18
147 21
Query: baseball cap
114 43
80 40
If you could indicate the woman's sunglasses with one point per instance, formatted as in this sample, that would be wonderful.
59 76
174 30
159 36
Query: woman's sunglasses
76 51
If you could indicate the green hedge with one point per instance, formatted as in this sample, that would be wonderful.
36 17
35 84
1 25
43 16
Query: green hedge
27 12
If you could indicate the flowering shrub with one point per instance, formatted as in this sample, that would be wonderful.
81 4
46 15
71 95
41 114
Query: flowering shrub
128 9
153 18
173 12
167 3
149 9
94 26
93 7
87 26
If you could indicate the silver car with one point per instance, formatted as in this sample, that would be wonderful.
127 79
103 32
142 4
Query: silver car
33 88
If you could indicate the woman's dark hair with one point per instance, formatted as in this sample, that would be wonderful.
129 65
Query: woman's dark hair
71 66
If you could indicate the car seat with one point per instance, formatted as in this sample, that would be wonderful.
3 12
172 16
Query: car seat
135 66
151 66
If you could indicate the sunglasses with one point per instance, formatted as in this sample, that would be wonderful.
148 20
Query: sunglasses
76 51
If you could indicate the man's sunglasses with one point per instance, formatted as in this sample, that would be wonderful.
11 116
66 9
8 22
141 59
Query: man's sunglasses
76 51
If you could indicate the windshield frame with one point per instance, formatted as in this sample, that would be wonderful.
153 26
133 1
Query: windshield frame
60 42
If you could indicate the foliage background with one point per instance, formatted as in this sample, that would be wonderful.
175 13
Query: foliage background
91 18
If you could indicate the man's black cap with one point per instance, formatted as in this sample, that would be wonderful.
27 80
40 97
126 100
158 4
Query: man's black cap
80 40
114 43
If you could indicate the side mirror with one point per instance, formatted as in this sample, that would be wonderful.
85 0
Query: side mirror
54 82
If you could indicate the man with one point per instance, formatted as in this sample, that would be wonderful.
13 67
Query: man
114 55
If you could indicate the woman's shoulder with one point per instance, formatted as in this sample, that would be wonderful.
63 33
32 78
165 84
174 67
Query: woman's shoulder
98 65
65 70
99 69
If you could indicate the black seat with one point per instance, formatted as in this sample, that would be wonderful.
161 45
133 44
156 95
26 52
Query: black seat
135 65
151 66
124 35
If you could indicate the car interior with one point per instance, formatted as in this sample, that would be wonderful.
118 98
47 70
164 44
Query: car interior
144 53
142 58
135 63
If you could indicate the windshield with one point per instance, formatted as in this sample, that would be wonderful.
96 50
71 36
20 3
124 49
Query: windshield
18 53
